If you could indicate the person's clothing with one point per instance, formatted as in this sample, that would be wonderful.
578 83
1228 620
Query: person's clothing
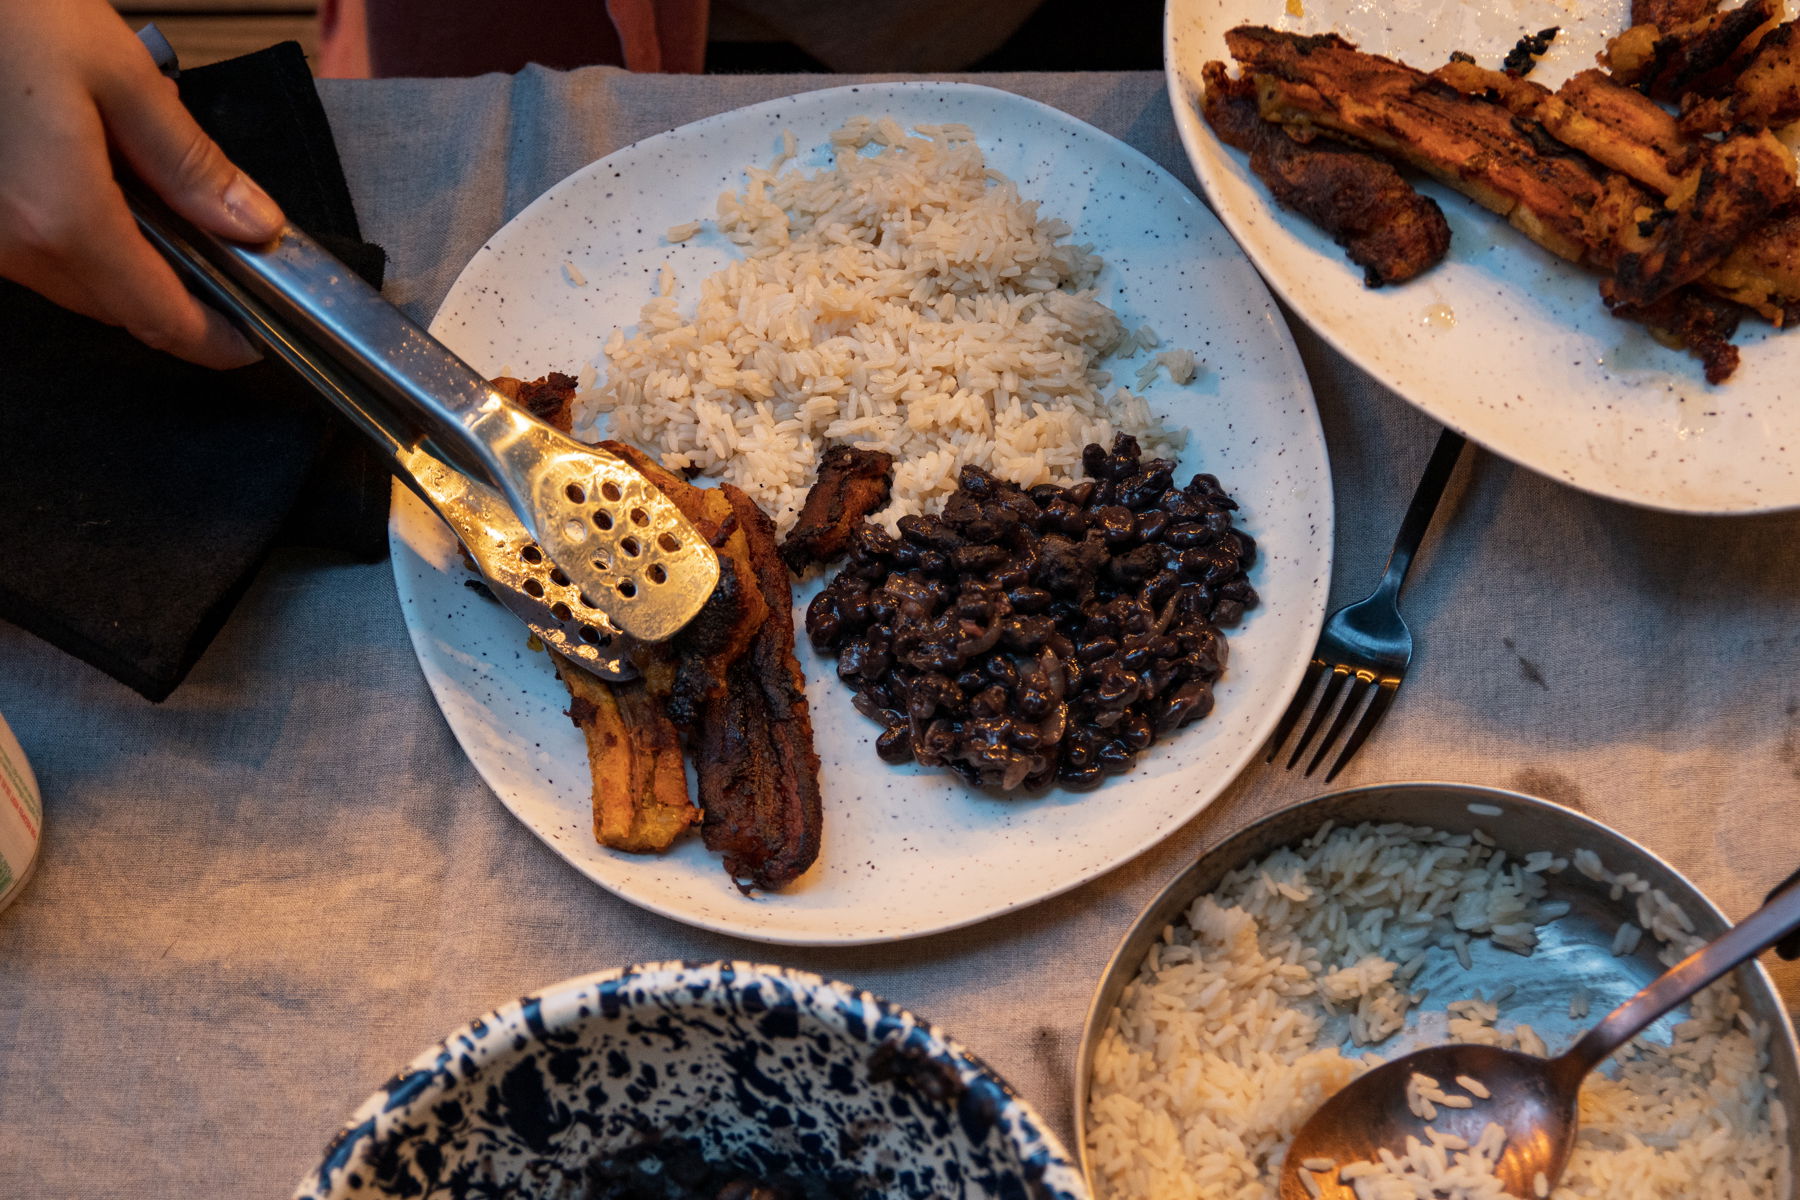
389 38
392 38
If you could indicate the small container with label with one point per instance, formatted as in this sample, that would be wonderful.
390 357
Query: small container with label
21 817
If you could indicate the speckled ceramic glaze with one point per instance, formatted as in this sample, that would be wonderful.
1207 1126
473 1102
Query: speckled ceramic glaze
906 851
770 1069
1503 340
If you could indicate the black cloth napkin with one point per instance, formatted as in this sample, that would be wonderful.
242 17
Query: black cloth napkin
138 494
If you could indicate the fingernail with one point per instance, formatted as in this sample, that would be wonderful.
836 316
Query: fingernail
226 346
251 207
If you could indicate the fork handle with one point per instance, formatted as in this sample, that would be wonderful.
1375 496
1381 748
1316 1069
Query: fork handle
1418 514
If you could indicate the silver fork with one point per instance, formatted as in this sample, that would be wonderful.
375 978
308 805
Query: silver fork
1367 644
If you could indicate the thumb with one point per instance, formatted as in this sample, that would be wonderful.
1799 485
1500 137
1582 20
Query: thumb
170 152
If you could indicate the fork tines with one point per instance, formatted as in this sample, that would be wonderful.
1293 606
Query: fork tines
1362 682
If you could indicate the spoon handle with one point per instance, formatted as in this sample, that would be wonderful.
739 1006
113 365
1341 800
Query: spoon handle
1789 946
1775 920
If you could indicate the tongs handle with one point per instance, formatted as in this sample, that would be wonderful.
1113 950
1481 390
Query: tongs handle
625 547
308 297
389 434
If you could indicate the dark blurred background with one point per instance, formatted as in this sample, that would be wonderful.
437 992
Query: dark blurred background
1060 35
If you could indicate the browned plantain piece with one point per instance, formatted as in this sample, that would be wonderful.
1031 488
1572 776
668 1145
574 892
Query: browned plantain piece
690 668
1384 226
753 749
1623 129
1690 319
641 801
1554 195
1763 271
730 679
1614 125
1618 127
1666 62
1521 96
1631 55
1766 93
550 399
1667 14
687 671
851 484
1733 188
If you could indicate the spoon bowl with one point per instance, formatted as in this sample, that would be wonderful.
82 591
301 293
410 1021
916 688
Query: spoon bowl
1467 1092
1524 1100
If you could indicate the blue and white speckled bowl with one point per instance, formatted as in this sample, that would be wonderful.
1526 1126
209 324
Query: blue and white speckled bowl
762 1065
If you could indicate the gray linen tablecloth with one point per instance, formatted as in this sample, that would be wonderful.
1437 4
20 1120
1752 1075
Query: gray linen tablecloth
260 898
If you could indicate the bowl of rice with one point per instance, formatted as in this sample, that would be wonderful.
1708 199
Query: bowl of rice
1365 924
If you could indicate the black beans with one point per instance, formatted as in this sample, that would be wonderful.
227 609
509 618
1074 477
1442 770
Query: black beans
1051 635
1097 650
895 744
988 702
1116 525
969 559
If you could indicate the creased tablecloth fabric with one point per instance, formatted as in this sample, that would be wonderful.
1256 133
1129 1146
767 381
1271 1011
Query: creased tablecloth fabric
260 898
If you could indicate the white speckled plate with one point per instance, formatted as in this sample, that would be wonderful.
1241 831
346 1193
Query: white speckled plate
906 852
1503 341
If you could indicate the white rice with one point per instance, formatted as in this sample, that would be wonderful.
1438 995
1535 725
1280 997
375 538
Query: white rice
905 299
1181 365
1231 1034
1422 1096
1441 1166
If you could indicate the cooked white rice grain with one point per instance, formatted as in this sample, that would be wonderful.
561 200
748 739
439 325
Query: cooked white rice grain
1232 1034
573 274
908 299
682 232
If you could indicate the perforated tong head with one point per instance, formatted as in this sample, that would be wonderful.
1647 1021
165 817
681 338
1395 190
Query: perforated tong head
613 548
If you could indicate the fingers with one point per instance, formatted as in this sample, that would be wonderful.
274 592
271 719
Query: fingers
73 240
166 147
149 300
209 341
65 231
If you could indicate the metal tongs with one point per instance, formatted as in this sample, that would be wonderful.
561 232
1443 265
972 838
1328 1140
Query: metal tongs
571 539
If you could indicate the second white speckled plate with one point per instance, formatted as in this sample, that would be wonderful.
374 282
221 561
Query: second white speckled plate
906 851
1503 340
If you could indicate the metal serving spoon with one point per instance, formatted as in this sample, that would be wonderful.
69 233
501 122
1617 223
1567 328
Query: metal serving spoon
1532 1099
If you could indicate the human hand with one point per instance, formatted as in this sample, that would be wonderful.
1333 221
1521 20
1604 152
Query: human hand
74 84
